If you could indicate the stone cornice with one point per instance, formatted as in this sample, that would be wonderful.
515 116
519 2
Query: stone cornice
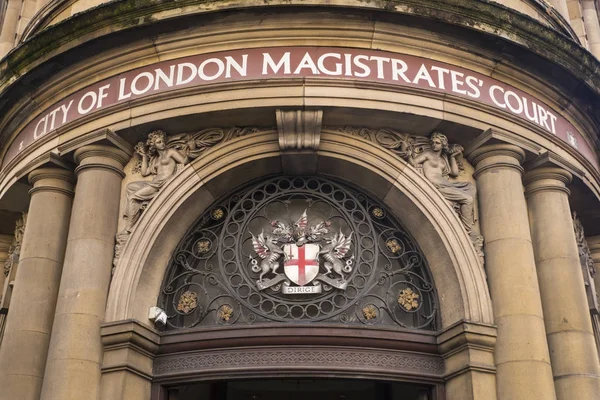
101 136
46 160
131 331
492 18
464 332
129 346
550 159
468 346
495 136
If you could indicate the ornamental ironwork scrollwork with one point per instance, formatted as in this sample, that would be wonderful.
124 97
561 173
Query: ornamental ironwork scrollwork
294 249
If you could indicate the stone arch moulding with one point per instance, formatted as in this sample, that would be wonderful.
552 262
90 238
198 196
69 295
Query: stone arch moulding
457 273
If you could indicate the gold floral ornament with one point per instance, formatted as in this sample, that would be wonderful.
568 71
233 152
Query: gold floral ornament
408 299
188 302
369 312
217 213
203 246
377 212
225 313
393 246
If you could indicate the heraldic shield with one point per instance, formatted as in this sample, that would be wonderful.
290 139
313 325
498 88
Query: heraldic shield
302 264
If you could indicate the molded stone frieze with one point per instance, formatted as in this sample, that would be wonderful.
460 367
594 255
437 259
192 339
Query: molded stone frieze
438 161
162 157
587 265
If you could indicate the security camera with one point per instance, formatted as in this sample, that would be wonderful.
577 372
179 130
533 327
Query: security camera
158 316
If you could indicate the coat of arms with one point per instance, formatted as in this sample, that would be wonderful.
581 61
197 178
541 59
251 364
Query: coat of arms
313 259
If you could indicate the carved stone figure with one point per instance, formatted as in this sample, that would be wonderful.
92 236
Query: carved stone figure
15 248
439 161
161 157
587 265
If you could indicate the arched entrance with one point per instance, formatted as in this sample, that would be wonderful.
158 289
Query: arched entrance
301 350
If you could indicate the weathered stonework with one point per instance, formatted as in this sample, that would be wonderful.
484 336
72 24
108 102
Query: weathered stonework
512 84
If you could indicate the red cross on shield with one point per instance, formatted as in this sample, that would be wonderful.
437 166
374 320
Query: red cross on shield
302 266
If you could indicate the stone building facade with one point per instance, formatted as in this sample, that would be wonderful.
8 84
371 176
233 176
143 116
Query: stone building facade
304 198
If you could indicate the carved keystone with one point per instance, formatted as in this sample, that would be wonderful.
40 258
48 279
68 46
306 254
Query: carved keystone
299 130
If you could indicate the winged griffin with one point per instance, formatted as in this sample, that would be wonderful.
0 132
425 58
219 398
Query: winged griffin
334 251
267 247
303 249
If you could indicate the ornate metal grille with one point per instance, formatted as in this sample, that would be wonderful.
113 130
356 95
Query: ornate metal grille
345 260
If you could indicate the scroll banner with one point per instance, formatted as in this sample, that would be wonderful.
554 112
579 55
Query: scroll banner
298 62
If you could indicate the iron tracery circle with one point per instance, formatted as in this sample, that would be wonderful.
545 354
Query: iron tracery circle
381 278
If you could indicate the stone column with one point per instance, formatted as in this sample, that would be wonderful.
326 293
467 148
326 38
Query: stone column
73 366
566 311
592 27
9 27
33 301
521 356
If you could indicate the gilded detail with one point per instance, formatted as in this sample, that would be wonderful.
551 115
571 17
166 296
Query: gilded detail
369 312
225 313
377 212
203 246
408 299
393 246
217 214
188 302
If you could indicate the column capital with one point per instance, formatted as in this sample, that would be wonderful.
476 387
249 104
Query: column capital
547 178
502 155
52 179
97 156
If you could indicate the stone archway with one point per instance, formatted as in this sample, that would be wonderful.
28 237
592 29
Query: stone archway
465 305
456 271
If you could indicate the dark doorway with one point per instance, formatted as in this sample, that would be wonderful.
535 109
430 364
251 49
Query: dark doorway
301 389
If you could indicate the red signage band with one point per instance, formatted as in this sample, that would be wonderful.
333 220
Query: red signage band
285 62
